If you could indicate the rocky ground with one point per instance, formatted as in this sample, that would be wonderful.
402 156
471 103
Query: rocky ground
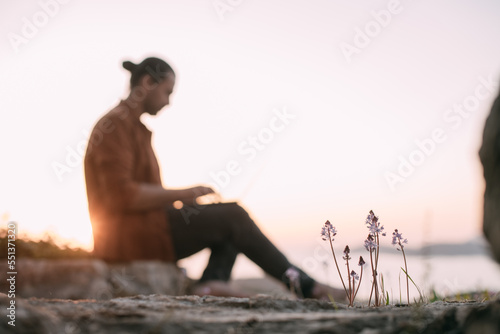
260 314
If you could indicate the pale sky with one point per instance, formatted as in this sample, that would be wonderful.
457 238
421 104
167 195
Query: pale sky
352 115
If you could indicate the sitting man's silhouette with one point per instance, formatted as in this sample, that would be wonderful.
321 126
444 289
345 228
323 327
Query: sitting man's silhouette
132 214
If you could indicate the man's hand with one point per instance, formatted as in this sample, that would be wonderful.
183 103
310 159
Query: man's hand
200 191
155 196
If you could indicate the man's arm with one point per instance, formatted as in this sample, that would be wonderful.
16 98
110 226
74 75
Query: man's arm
152 196
111 163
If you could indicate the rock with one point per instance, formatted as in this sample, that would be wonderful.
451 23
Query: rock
198 315
485 319
490 159
94 279
30 319
145 278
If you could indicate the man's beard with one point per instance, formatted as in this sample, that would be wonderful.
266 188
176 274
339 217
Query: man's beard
151 109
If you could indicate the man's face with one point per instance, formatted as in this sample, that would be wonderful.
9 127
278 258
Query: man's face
159 95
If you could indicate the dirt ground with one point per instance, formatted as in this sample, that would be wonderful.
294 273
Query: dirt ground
260 314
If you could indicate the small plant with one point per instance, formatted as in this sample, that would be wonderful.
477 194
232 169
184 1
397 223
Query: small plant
372 244
397 240
352 276
421 294
361 263
328 232
378 291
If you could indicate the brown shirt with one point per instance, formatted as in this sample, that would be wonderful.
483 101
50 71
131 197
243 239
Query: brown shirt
119 157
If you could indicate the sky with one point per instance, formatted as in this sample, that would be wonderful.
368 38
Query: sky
320 110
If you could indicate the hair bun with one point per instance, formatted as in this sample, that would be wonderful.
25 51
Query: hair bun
129 66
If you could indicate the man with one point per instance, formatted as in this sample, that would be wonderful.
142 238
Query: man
132 213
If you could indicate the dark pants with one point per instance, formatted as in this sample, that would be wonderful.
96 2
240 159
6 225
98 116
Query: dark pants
227 229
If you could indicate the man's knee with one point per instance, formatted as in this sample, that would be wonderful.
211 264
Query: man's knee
235 213
224 209
236 209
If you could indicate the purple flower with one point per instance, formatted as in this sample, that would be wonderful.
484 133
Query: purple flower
361 262
328 232
369 218
354 275
397 239
370 243
374 225
346 253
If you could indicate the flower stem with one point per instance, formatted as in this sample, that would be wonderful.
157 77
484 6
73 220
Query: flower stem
377 252
359 283
374 277
336 264
349 278
406 269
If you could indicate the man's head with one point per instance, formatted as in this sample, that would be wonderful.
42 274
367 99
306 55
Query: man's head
151 83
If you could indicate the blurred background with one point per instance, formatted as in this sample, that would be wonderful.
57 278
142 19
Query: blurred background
330 109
